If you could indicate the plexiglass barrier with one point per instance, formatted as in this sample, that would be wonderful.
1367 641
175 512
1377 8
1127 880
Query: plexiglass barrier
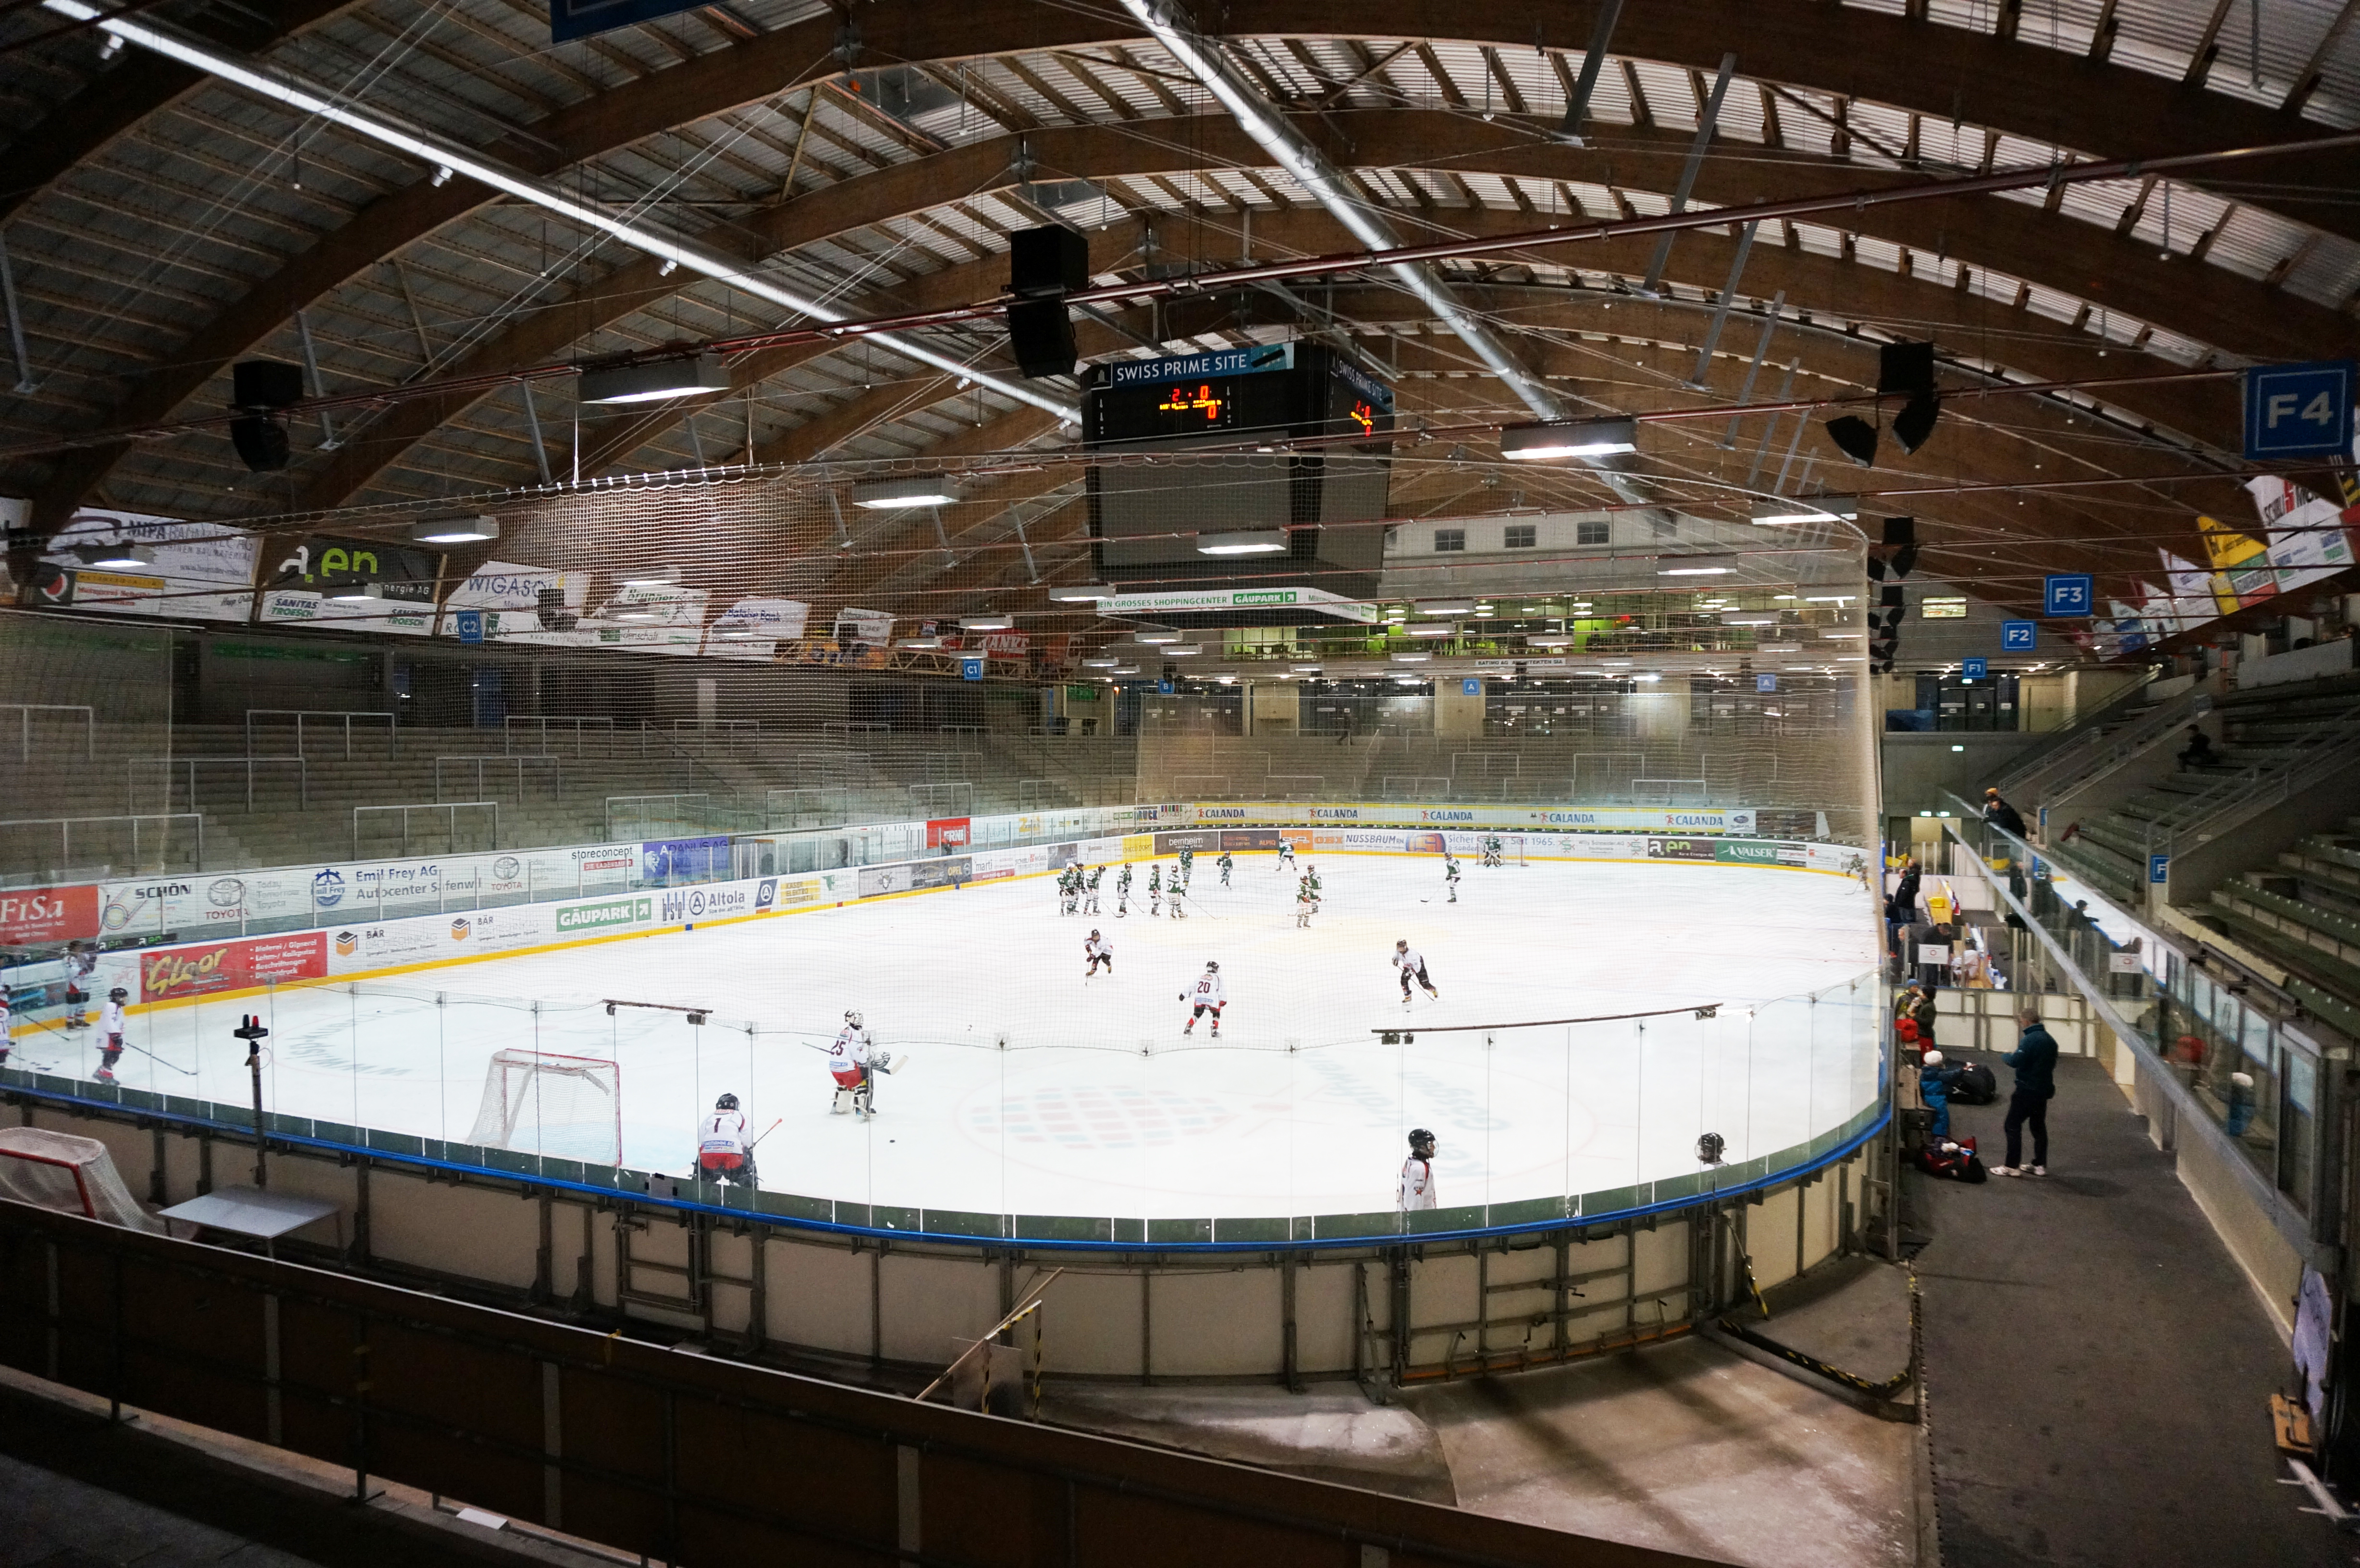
1054 1135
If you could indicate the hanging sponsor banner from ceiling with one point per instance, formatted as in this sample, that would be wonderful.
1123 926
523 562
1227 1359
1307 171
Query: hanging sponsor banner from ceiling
2242 573
521 603
646 618
302 580
753 629
1218 600
157 566
873 626
2310 536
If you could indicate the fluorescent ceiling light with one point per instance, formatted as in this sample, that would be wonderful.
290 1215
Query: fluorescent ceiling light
120 557
1839 631
1778 647
1100 663
1125 669
1411 657
1265 542
1550 641
455 530
1156 635
926 644
355 593
653 577
1569 438
652 380
1303 669
986 623
1751 620
1432 628
1649 676
1807 509
1180 650
1696 571
1446 606
916 490
1081 594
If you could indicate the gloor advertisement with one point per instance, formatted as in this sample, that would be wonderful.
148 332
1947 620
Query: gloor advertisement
246 963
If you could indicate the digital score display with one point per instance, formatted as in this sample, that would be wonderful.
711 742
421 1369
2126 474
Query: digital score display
1235 395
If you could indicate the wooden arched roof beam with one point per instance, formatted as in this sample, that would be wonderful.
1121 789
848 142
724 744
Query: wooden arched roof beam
2204 303
1925 69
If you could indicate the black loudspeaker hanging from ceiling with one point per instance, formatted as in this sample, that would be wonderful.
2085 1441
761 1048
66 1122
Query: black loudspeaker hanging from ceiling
1044 264
1890 559
1904 370
259 388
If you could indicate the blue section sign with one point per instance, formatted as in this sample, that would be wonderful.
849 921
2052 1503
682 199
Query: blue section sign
1765 683
971 668
2018 636
1975 668
2067 593
1163 688
1471 686
2158 867
471 626
2299 410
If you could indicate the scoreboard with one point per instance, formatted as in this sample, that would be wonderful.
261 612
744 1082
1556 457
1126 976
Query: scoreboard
1145 517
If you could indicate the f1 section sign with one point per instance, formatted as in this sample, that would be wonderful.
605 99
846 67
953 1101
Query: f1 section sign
2299 410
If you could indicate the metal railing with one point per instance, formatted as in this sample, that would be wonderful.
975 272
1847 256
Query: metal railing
1670 789
172 765
2085 731
453 807
798 802
2079 765
25 712
66 825
342 720
845 729
521 759
2237 801
680 821
954 799
541 724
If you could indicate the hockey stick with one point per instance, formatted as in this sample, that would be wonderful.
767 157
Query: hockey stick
766 1132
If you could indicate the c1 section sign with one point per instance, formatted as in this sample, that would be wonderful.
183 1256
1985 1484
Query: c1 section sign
2299 410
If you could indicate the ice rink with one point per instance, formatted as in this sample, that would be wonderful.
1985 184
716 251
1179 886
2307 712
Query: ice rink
1019 1087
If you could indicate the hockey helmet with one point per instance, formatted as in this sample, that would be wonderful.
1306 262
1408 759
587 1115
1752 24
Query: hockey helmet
852 1017
1421 1142
1402 946
1094 930
118 995
1211 967
726 1103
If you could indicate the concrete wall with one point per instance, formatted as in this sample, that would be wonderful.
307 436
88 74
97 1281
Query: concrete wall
1274 708
1919 768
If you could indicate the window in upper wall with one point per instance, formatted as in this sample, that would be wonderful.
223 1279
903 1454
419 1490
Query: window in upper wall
1450 539
1590 530
1522 536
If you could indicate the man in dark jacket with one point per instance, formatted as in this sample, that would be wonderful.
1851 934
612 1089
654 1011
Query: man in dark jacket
2035 1061
1901 908
2002 815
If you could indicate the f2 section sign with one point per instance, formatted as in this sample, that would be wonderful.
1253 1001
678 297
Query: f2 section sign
2019 637
2299 410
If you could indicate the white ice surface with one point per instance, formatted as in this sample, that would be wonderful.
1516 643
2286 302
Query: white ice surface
1021 1088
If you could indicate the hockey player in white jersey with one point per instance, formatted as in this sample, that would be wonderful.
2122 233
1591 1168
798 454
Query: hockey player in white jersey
723 1154
1090 890
1412 965
1451 875
855 1061
7 1032
1098 950
1286 854
1205 995
1415 1189
111 1029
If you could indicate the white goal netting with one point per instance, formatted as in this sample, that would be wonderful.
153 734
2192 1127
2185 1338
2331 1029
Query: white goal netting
570 1106
73 1175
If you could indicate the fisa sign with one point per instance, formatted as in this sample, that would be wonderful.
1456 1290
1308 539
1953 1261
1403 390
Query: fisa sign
2299 410
2018 636
2067 593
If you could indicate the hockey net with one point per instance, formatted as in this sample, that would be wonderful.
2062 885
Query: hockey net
73 1175
570 1106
